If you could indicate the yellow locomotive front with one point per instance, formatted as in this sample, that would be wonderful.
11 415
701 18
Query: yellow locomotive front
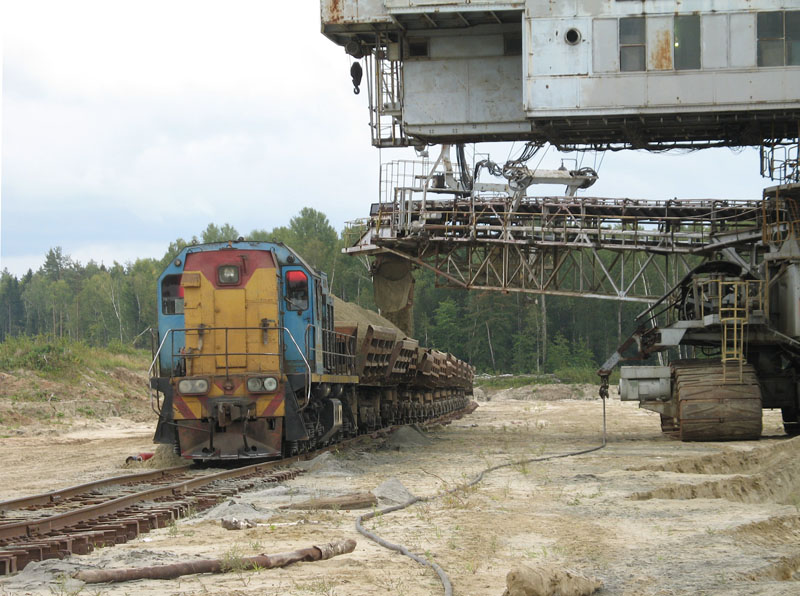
226 386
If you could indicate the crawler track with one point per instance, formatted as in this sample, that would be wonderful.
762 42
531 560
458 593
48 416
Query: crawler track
75 520
713 406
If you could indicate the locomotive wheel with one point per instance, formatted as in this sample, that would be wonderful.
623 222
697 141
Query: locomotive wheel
716 407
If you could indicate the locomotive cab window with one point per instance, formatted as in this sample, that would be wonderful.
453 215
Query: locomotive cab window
296 290
228 275
171 295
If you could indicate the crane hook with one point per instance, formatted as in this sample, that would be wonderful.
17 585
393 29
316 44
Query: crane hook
356 73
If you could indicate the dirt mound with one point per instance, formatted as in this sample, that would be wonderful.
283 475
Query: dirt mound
407 437
35 401
775 476
327 464
347 313
549 580
164 457
392 492
732 462
776 485
549 392
785 569
769 532
232 508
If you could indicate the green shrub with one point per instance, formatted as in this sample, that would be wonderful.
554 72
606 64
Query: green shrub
41 354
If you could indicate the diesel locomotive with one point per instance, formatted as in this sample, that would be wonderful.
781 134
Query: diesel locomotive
254 360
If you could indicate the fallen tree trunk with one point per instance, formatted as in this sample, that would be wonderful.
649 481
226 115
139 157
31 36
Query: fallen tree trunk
351 501
314 553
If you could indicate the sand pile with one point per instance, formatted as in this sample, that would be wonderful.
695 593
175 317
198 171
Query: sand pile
548 580
231 509
392 492
164 457
327 464
407 437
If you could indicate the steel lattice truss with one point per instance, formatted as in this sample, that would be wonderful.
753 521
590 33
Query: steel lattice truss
605 248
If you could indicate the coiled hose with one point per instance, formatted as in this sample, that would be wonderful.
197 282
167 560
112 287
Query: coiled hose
443 578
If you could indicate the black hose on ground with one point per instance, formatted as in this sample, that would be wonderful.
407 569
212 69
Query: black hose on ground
448 588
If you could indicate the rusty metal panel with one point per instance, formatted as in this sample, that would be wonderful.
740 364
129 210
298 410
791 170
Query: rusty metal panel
605 52
338 12
659 43
403 361
742 40
374 354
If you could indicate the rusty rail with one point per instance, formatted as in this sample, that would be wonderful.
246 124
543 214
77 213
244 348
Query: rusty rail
61 495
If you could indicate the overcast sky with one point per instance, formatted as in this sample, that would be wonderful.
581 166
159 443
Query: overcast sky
126 125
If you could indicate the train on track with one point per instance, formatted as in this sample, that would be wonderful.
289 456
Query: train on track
257 359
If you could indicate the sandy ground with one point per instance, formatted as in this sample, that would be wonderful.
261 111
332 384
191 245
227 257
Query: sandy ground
646 515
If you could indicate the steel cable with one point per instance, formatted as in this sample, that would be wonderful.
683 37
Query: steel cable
443 577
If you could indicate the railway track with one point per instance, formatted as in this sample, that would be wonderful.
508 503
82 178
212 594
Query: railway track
78 519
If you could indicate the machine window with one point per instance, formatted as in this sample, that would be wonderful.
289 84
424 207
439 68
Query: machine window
296 290
793 38
779 38
632 44
687 42
770 38
171 295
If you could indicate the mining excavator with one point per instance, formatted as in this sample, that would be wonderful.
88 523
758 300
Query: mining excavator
719 278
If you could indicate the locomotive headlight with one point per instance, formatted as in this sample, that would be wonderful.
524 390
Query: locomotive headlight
228 274
190 386
255 385
262 384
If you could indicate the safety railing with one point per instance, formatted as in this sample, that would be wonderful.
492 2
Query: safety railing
185 356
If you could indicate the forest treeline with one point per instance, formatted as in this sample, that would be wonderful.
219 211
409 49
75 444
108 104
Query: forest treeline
116 305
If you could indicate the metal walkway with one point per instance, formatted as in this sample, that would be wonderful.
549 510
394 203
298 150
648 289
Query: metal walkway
623 249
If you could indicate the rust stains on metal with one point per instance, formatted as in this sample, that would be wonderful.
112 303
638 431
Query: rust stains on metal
335 12
661 57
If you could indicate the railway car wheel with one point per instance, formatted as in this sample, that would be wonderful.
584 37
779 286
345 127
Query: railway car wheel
714 406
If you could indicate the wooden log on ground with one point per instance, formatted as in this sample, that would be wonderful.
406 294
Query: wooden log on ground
349 501
314 553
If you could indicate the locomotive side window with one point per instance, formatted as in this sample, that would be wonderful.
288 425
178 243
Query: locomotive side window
296 290
171 295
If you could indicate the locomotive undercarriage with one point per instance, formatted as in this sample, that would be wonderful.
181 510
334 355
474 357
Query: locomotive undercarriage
365 409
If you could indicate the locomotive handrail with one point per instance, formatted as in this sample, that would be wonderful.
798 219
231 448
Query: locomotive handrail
227 354
158 352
